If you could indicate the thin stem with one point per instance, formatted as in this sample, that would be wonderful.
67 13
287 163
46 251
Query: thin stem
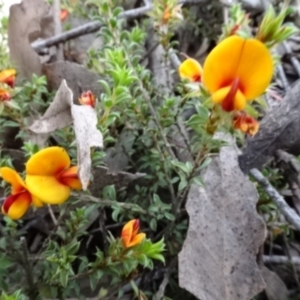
289 214
33 291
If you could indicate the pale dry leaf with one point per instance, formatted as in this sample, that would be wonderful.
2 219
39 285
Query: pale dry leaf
24 26
275 287
218 259
87 136
63 112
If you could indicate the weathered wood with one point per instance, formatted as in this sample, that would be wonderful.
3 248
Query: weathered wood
279 129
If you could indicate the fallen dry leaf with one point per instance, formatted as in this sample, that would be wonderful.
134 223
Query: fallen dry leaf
24 26
275 287
218 259
63 112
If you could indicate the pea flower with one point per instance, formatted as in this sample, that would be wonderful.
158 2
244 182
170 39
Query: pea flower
87 98
4 95
245 123
191 70
50 177
170 12
8 76
130 236
237 70
20 199
64 13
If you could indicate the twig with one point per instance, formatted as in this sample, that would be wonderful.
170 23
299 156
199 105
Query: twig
96 25
161 291
102 202
283 78
32 288
294 60
289 214
88 28
57 27
280 259
291 261
52 214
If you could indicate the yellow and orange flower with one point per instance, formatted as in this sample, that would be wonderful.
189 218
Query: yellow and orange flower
20 199
87 98
8 76
245 123
4 95
237 70
190 69
50 177
130 236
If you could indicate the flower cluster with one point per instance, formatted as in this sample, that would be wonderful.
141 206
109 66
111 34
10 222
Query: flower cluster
49 179
240 68
235 72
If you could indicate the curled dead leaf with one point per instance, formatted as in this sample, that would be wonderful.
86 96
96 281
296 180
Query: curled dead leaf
28 21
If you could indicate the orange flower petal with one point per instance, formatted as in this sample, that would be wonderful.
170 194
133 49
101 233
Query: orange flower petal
249 60
70 178
48 162
12 177
15 206
191 70
136 240
63 15
246 124
126 234
47 189
4 95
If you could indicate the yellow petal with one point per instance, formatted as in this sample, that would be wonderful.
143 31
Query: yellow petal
18 206
12 177
237 103
47 189
220 94
137 240
48 161
36 201
191 70
246 59
8 76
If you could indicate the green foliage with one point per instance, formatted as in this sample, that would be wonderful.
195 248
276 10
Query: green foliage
272 30
150 117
